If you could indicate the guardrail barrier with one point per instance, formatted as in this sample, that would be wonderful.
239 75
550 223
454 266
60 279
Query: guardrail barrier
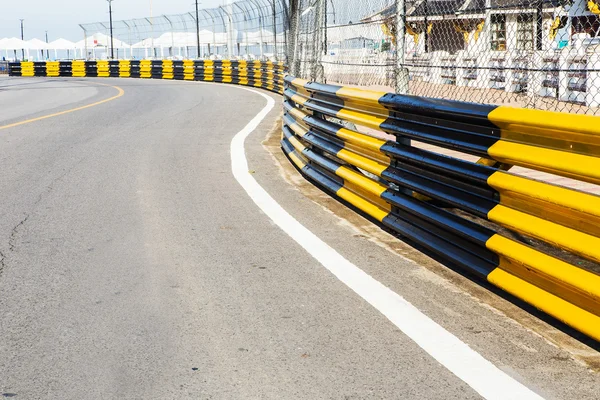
525 236
262 74
410 190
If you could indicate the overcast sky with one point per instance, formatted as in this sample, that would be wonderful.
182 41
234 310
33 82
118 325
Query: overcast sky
61 18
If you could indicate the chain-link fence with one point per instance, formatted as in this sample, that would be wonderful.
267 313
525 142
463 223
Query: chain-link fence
354 49
248 29
526 53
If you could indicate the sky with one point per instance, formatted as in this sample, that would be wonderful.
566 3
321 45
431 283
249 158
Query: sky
62 18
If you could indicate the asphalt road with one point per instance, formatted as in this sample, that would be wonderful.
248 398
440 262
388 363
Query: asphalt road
134 266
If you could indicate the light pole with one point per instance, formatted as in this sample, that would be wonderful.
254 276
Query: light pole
22 38
112 49
47 50
197 30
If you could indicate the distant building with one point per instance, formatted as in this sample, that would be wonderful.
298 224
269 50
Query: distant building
501 24
546 48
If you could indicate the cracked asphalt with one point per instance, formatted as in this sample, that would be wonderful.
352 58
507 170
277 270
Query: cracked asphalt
133 266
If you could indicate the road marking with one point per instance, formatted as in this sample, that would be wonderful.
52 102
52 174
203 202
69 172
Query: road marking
468 365
121 93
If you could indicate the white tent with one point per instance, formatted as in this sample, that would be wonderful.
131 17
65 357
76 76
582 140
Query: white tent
14 44
341 33
144 44
175 39
37 44
99 41
183 39
62 44
259 36
180 40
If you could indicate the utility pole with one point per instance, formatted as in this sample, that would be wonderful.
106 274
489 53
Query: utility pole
112 49
197 29
47 50
22 38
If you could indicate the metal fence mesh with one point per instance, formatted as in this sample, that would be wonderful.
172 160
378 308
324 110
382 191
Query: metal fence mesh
354 49
249 29
526 53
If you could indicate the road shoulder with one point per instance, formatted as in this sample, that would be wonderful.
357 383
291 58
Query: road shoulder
518 342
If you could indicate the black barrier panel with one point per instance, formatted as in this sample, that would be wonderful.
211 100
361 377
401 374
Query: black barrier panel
39 69
91 68
14 69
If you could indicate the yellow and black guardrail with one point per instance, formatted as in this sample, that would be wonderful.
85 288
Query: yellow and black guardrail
261 74
410 190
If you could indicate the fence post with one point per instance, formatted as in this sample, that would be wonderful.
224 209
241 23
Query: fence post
293 56
317 73
274 29
401 69
285 26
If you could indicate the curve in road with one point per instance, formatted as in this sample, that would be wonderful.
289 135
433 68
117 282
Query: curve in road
135 266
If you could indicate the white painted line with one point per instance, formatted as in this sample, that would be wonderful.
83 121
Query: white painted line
468 365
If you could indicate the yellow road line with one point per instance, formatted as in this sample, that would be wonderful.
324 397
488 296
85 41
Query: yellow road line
121 93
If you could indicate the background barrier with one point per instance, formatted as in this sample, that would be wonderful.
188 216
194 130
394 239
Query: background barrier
262 74
537 241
